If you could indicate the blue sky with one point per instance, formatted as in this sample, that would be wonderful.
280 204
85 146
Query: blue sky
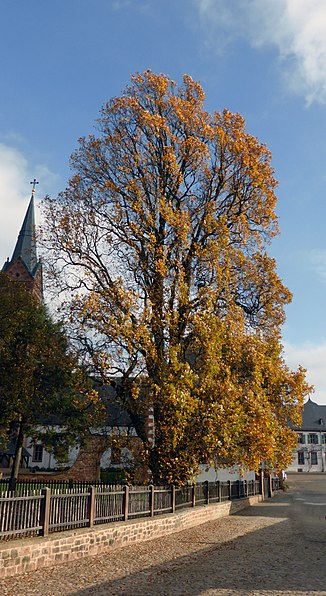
60 61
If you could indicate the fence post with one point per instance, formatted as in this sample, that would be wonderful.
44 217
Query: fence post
151 500
261 484
230 490
12 485
219 491
125 502
45 511
172 498
207 492
193 495
91 506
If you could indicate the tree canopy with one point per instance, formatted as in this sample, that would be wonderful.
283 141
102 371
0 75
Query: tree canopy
41 385
161 240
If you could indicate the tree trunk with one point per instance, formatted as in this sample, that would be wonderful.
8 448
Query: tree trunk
155 467
17 458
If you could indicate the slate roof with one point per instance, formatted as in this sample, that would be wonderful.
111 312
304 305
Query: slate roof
116 415
115 412
25 248
313 417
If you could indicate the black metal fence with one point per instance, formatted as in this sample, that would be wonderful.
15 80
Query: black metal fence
47 510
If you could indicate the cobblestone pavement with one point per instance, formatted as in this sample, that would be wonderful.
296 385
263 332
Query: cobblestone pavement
267 549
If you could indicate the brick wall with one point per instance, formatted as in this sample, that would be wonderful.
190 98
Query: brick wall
20 556
87 465
19 273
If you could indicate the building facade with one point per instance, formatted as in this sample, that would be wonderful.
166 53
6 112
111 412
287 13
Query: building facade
310 452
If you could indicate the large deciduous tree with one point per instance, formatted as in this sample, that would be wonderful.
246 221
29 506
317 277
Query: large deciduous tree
160 238
41 386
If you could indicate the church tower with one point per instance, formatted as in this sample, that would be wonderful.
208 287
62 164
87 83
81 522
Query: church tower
24 265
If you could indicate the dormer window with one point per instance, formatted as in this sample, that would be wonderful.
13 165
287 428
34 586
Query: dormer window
321 421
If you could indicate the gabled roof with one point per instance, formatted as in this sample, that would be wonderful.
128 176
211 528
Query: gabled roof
313 417
116 415
115 412
25 248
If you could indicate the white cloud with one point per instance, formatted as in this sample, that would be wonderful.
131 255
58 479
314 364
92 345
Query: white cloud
125 4
120 4
15 190
313 358
296 28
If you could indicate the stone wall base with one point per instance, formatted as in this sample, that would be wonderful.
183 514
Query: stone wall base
23 555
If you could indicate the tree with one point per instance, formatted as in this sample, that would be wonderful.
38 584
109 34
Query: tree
161 240
39 377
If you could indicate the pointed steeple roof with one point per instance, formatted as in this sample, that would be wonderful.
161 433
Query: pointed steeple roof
25 248
24 266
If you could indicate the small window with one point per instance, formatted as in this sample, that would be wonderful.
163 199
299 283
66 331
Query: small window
313 458
313 439
321 421
301 439
301 458
323 438
37 453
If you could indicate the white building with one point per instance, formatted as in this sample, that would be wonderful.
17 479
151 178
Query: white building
310 453
223 474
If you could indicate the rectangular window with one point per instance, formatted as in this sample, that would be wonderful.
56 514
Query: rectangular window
37 453
323 438
313 458
301 458
313 439
301 439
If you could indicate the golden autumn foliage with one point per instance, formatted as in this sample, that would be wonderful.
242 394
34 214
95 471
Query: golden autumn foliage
161 240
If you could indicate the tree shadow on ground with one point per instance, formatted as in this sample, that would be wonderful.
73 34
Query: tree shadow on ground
279 557
276 507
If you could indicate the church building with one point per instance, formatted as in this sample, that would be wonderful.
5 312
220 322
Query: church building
24 265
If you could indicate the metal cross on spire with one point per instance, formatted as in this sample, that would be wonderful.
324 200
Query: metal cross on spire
34 184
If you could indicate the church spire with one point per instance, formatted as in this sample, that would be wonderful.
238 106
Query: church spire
26 244
24 265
